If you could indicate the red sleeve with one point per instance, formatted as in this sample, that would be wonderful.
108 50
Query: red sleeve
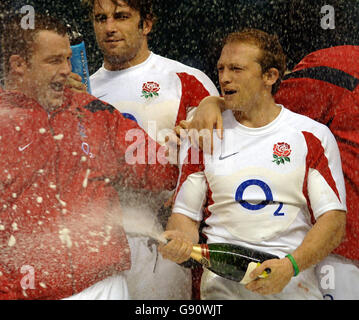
193 92
317 159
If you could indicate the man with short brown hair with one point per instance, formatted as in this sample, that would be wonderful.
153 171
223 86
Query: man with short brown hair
271 54
61 153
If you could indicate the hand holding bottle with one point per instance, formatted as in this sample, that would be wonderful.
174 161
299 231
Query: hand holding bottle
74 82
179 247
281 273
78 60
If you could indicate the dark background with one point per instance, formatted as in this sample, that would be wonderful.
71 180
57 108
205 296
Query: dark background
190 30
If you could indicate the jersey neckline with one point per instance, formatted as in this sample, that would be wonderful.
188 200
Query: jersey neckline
234 124
130 69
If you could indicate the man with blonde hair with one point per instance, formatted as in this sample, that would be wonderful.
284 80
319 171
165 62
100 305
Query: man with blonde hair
272 172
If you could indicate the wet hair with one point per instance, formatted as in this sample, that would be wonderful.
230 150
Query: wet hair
144 7
272 54
15 40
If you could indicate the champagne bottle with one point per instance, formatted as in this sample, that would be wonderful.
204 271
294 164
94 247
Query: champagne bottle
230 261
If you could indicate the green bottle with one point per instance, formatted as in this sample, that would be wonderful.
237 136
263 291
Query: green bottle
230 261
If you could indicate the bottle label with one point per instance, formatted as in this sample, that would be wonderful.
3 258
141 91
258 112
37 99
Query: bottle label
247 279
79 64
251 266
205 262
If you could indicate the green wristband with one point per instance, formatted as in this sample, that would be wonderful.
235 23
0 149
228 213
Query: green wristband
295 266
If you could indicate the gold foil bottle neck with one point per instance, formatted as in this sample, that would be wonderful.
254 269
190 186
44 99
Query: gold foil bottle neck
197 254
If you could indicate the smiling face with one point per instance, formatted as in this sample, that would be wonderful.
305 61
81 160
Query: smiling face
240 76
48 69
120 33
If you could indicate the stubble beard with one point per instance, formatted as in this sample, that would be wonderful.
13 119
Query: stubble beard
50 104
119 61
124 58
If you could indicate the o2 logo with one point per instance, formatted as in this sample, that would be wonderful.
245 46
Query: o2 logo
254 207
86 148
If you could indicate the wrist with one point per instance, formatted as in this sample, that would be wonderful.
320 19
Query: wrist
294 264
221 105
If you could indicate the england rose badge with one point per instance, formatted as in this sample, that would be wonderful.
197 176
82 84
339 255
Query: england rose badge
150 89
281 153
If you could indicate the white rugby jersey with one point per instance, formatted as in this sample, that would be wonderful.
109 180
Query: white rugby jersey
262 187
157 93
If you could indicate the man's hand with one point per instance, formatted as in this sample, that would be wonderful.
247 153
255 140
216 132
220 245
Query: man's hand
173 144
181 129
208 115
280 275
202 138
178 249
74 82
